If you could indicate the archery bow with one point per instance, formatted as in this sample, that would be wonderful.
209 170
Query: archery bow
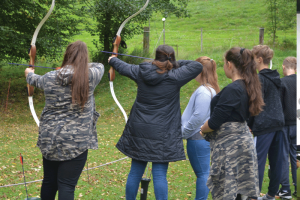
111 72
32 53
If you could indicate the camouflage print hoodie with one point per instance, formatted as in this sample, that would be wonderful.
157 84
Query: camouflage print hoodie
66 130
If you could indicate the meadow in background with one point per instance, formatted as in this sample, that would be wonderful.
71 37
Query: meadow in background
224 23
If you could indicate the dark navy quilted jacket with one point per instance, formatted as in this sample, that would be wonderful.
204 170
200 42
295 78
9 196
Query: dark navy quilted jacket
153 130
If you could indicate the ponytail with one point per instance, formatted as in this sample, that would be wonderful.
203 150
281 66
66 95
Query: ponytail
165 59
163 66
243 60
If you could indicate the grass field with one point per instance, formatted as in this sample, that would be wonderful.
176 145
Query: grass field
225 24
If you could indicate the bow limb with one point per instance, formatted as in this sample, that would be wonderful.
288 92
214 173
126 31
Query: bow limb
32 53
116 44
111 76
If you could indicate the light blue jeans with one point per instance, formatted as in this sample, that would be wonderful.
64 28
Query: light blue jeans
199 155
159 171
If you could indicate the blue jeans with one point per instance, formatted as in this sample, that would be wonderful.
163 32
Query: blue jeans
270 144
289 149
159 171
199 155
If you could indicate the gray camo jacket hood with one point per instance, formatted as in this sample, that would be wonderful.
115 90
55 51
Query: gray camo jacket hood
65 75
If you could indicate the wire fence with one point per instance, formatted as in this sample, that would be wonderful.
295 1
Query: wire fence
208 40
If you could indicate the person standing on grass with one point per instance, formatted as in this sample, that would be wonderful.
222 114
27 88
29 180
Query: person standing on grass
268 124
233 157
68 122
153 131
288 99
193 117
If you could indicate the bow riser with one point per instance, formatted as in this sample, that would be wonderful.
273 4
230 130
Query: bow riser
32 53
111 72
116 44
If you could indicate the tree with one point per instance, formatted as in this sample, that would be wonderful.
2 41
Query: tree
19 19
281 15
109 14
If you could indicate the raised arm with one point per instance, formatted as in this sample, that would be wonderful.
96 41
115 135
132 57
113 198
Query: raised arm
96 72
125 69
34 79
187 71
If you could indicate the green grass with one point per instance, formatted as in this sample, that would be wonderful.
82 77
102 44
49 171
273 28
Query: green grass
225 24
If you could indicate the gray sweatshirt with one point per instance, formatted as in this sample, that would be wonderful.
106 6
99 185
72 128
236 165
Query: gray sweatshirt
197 112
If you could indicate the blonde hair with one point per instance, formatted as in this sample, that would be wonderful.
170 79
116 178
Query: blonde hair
263 51
290 63
209 72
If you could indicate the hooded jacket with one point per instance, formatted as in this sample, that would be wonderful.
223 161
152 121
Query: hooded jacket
66 130
271 118
153 130
288 99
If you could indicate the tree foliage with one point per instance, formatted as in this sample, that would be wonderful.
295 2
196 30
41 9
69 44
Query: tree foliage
109 14
19 19
281 15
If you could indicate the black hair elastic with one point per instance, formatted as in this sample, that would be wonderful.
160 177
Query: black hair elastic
241 51
169 58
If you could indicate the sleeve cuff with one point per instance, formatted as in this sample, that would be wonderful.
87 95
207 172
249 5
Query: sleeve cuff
212 126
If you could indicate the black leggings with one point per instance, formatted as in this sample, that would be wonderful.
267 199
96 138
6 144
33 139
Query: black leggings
61 176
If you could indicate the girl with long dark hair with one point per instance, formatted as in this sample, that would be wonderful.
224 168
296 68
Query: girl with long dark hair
153 132
234 167
193 117
68 122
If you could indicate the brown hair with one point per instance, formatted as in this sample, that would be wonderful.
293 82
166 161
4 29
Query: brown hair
209 72
263 51
76 59
290 63
165 59
243 60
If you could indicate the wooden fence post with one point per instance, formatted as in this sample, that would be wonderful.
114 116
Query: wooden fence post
146 39
261 36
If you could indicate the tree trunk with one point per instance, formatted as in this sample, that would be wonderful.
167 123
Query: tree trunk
106 36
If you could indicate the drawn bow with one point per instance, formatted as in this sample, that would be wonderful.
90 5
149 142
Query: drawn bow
111 72
32 53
